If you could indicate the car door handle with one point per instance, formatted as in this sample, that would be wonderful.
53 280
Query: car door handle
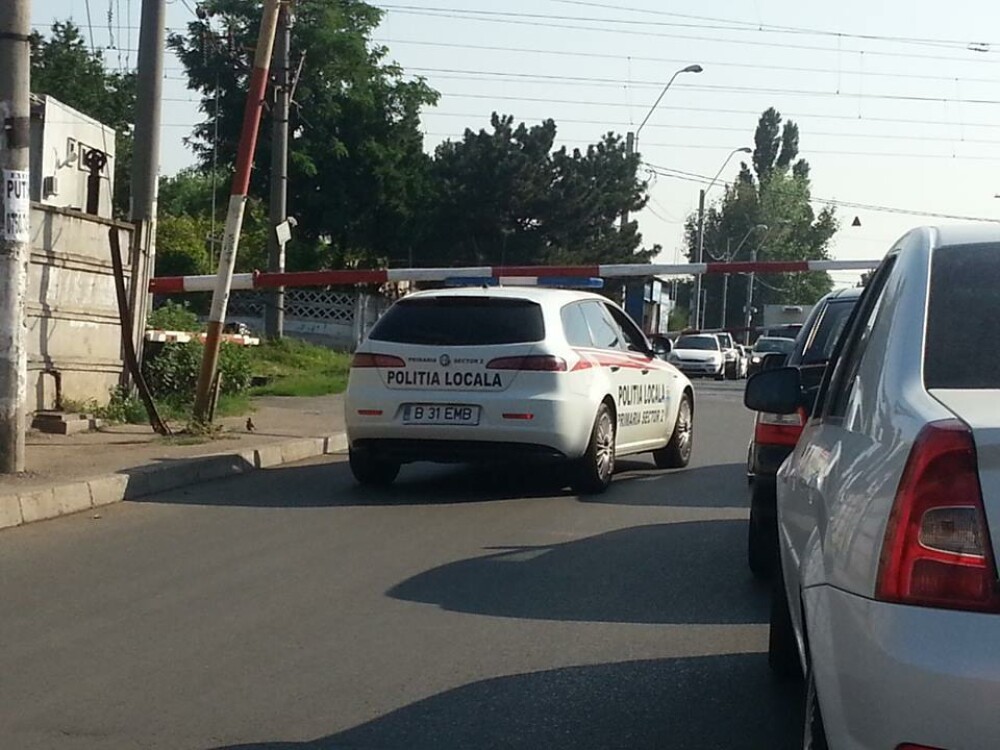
645 372
615 368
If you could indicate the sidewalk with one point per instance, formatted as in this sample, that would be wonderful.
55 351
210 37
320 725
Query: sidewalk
69 473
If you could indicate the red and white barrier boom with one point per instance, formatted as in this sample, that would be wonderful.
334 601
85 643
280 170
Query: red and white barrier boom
507 274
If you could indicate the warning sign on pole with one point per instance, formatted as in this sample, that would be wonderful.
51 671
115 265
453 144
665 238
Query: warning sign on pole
16 206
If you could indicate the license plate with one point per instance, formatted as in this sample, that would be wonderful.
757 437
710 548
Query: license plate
458 414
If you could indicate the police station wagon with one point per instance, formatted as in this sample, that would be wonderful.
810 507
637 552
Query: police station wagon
497 374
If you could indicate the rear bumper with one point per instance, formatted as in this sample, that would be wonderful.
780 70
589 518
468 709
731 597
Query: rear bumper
765 460
700 368
558 427
888 674
457 451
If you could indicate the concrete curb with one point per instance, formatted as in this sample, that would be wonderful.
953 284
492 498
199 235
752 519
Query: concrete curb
41 503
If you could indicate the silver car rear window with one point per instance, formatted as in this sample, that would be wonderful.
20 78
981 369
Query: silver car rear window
963 318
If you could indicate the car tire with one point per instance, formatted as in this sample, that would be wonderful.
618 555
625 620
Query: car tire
594 470
762 538
371 469
782 650
814 733
676 454
729 373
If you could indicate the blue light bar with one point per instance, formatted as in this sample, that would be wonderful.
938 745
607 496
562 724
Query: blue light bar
565 282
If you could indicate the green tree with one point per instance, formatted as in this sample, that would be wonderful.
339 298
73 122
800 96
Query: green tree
503 196
63 66
774 193
357 166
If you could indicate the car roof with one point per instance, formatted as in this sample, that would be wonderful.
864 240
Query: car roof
541 295
963 234
697 336
851 293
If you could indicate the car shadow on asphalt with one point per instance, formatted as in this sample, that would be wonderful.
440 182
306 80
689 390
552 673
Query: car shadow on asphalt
714 486
700 703
330 484
676 573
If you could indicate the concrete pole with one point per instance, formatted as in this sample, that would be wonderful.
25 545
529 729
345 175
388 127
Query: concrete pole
629 151
749 307
237 205
696 313
146 158
274 311
15 216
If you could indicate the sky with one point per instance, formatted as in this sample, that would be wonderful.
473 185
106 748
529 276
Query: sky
898 108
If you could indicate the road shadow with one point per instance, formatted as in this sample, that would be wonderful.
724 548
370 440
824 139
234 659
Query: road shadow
330 484
715 486
702 703
678 573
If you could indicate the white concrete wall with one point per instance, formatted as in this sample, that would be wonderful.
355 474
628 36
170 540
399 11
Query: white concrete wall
72 309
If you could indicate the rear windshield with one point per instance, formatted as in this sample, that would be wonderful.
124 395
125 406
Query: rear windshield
697 342
963 339
784 346
461 321
818 346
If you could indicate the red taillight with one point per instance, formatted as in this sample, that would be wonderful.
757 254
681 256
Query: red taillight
520 416
365 359
778 429
936 551
534 363
909 746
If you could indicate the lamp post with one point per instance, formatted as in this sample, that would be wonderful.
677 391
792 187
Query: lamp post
632 138
701 230
730 257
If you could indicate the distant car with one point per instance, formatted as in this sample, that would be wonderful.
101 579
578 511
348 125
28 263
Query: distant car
730 356
775 435
513 374
889 508
698 354
767 345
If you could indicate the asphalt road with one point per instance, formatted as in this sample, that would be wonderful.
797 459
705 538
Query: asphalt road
291 609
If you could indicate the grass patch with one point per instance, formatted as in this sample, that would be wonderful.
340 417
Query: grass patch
296 368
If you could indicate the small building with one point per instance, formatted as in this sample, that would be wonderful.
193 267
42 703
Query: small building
780 315
649 303
61 140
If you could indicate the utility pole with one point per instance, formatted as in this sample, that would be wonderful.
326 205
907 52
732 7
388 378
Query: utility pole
237 205
749 307
629 152
725 286
696 313
15 236
274 311
146 159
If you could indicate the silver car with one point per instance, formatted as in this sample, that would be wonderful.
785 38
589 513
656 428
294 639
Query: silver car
888 600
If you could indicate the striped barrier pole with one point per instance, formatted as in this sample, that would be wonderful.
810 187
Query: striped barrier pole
510 274
222 283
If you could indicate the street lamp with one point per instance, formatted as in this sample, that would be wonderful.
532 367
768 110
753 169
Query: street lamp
730 257
632 138
701 231
689 69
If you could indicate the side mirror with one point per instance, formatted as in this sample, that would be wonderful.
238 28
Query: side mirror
772 360
777 391
660 349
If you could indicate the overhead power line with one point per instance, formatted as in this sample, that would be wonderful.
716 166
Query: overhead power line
779 29
465 74
684 61
704 179
567 22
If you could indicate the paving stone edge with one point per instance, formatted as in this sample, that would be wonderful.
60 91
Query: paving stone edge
42 503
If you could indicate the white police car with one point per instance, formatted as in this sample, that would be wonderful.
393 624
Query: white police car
493 374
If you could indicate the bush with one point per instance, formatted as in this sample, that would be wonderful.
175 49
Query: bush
172 316
123 407
173 371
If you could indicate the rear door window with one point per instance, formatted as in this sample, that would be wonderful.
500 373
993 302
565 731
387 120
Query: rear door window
575 326
962 348
603 331
461 321
822 338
